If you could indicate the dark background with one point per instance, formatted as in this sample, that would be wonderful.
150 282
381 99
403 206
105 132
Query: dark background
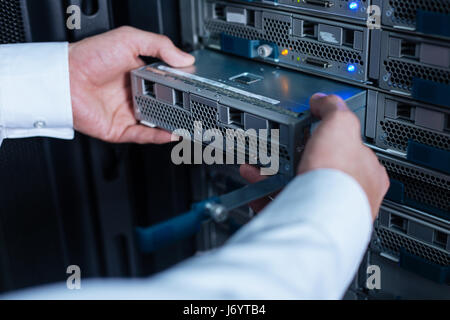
76 202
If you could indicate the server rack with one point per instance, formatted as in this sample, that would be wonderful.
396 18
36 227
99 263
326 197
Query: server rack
406 72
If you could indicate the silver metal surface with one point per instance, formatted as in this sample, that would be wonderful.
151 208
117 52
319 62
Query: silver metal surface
292 89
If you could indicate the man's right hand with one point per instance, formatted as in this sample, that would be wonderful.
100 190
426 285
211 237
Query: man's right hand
337 144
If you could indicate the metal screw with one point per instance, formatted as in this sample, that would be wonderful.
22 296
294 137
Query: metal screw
218 212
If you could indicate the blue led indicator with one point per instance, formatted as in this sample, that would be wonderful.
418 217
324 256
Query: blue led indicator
351 68
353 5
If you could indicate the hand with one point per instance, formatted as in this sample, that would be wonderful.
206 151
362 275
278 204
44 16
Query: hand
100 83
337 144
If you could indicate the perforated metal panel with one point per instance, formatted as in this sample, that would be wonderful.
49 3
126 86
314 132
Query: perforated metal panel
403 61
171 118
403 12
337 8
11 22
423 186
163 115
277 28
396 135
391 242
401 74
278 32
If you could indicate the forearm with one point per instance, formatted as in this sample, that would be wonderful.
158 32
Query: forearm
35 91
306 245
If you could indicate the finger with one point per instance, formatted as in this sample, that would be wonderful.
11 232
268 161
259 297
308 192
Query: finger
251 173
158 46
259 205
144 135
322 106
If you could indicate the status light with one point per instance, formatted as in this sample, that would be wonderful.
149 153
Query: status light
285 52
353 5
351 68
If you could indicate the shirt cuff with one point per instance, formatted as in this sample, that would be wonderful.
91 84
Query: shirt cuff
35 91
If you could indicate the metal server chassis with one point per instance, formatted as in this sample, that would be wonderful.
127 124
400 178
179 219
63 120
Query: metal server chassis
226 92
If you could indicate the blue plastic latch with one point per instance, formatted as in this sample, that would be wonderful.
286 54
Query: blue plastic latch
396 191
425 268
433 23
430 91
166 233
245 47
428 156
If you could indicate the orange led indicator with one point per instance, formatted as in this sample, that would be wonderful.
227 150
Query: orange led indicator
285 52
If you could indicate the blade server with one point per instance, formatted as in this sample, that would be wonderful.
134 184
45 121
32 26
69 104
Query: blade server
405 67
223 92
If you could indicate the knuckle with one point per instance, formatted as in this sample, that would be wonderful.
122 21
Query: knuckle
125 29
165 41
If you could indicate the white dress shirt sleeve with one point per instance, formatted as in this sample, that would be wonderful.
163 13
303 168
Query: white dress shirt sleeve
35 91
307 244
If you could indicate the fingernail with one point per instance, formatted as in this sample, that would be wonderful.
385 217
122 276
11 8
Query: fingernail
318 96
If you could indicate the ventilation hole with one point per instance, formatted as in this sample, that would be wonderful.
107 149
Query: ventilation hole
422 187
391 242
279 32
402 74
396 135
11 22
404 11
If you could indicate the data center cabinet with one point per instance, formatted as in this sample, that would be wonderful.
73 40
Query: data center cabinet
403 61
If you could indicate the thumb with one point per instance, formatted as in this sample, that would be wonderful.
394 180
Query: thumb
322 106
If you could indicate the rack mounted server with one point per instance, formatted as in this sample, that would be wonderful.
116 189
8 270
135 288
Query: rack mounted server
354 11
292 40
224 92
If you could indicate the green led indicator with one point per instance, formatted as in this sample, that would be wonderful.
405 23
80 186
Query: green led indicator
298 59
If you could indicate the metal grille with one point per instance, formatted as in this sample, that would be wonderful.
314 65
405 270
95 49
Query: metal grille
402 74
232 30
11 22
164 115
397 134
277 31
207 115
327 52
167 116
423 187
391 242
404 11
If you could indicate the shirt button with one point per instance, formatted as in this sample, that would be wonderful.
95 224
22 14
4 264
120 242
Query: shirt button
40 124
